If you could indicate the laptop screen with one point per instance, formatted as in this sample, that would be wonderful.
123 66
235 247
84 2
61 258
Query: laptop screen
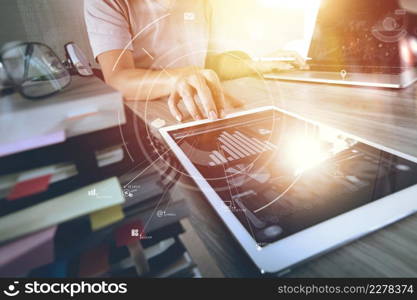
354 34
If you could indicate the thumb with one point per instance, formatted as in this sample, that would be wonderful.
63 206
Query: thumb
280 66
234 102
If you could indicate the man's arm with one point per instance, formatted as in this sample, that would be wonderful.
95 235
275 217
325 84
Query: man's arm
136 84
236 64
109 33
184 84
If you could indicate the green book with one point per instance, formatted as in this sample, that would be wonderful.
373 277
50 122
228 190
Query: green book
72 205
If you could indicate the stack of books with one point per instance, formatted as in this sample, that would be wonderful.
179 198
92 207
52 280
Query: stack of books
68 205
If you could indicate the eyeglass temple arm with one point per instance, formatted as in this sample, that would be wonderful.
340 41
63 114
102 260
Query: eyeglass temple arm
28 57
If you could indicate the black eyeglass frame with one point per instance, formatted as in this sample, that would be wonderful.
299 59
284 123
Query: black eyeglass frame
18 86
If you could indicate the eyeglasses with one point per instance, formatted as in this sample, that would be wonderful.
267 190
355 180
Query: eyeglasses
36 72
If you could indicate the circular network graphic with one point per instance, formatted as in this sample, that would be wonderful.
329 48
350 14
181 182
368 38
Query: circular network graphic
158 156
392 28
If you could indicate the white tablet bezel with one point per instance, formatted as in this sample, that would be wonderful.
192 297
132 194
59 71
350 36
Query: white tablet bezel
314 240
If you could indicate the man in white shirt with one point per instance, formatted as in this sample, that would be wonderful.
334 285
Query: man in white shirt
149 49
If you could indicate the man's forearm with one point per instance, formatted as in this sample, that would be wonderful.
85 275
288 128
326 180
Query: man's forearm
142 84
231 65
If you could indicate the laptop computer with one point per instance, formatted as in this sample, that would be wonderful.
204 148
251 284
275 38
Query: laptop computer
360 42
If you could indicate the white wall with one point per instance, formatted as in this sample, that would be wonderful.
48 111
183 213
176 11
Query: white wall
260 27
53 22
255 26
10 22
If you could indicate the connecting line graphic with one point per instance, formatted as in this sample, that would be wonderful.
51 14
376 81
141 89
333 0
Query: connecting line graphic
231 197
147 53
296 180
165 70
136 36
227 180
167 189
123 138
147 168
174 187
280 196
164 193
191 152
250 226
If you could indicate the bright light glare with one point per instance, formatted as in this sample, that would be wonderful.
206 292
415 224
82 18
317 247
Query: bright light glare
413 44
304 153
262 27
297 4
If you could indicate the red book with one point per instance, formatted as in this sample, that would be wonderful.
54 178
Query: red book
129 233
29 187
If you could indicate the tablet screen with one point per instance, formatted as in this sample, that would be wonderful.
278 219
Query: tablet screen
280 175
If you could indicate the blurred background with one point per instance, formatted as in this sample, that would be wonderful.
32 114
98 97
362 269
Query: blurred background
260 27
53 22
246 25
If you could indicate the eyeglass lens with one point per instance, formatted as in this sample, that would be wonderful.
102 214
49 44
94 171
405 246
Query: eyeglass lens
35 69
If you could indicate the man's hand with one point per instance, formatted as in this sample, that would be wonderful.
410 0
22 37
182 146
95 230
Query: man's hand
202 94
199 89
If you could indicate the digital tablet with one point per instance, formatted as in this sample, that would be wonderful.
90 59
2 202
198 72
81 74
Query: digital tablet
289 188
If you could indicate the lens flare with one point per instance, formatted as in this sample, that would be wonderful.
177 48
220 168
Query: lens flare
304 153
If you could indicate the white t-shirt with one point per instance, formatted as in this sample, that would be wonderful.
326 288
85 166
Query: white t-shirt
161 33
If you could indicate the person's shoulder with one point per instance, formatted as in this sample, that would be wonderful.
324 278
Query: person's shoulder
106 4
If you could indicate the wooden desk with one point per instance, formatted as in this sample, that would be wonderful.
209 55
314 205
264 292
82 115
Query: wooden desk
385 117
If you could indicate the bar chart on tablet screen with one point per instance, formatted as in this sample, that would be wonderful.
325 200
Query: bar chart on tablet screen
237 145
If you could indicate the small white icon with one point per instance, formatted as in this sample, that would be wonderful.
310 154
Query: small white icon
403 167
189 16
11 290
264 131
128 193
135 232
92 193
164 213
343 73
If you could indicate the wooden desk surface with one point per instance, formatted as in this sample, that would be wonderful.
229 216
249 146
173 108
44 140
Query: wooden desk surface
385 117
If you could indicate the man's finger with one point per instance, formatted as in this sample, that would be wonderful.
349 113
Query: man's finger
280 66
214 84
203 91
299 60
173 106
187 94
